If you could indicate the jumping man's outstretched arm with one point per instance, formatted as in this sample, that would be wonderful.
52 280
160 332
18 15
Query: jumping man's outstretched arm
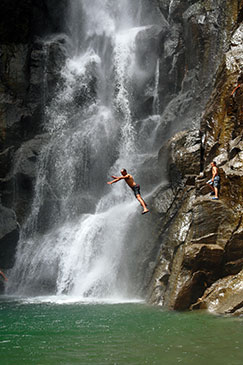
116 179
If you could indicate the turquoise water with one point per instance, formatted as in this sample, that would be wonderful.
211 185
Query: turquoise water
40 332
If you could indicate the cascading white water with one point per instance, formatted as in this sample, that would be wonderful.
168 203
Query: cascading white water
156 91
75 238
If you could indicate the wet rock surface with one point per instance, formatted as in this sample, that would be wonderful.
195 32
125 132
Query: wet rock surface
30 63
204 268
9 235
199 33
225 296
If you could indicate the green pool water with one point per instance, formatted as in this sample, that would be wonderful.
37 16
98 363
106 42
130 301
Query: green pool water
42 332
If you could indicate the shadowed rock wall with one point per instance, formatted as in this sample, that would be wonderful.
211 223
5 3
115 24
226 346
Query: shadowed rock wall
28 73
198 36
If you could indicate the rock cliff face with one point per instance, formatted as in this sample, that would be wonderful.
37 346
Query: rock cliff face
201 239
28 70
198 36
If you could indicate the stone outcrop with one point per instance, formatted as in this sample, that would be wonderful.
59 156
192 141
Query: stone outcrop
201 258
199 33
224 297
9 234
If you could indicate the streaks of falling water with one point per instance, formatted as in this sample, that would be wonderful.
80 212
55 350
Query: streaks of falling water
74 239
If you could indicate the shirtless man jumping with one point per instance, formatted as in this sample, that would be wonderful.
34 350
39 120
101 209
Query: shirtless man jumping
2 274
131 183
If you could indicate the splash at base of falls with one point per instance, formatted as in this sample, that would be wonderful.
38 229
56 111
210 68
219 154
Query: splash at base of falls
71 299
84 257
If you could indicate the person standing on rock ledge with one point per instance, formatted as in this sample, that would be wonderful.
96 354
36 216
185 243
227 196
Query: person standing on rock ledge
213 183
131 183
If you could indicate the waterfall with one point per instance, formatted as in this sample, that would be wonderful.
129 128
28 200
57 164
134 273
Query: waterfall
156 90
76 238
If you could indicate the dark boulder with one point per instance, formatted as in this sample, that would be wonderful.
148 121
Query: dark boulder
21 21
225 296
9 235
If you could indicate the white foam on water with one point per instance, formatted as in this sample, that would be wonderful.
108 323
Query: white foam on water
71 299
